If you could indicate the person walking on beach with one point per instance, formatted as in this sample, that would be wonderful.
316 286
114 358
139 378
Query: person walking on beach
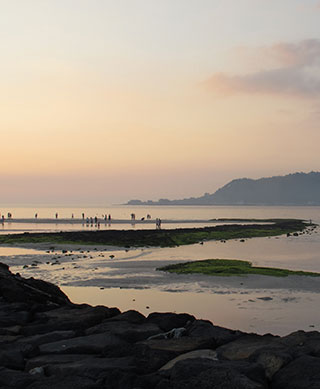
56 215
82 216
36 216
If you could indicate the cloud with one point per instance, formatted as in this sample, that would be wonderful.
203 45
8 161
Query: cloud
288 81
295 72
304 53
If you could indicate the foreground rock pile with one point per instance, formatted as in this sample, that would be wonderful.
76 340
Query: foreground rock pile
48 342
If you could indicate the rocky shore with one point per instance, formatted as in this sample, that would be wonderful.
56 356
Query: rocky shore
49 342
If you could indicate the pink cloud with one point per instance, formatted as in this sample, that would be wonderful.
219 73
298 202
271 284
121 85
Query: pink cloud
306 52
296 73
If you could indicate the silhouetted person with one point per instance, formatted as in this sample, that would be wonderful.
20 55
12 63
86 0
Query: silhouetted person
83 216
56 215
36 216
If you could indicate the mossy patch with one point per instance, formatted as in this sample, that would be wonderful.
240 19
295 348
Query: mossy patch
230 267
158 238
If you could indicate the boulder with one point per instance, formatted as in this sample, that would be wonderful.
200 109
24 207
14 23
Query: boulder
130 332
271 359
37 340
91 344
14 379
130 316
301 343
205 329
178 346
93 368
75 317
209 373
203 354
245 346
168 321
14 288
54 359
302 373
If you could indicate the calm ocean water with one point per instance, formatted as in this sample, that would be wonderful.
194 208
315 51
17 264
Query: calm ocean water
173 213
166 212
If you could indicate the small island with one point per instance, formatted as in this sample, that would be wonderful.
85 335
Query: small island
162 237
230 267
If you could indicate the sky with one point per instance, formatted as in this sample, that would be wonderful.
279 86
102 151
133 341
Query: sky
103 101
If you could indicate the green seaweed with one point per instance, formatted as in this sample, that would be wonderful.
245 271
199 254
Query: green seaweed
230 267
158 238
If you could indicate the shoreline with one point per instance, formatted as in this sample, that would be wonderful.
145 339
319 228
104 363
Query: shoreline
48 341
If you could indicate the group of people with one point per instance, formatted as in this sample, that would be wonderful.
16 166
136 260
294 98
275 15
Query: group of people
9 216
158 223
92 220
133 217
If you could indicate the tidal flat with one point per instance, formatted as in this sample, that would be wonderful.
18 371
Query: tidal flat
127 278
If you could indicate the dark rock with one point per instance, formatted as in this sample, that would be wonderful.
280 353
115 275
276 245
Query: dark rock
91 344
93 368
198 373
301 342
54 359
205 329
54 336
168 321
130 316
70 318
12 330
17 289
302 373
13 355
14 379
178 346
12 359
271 359
130 332
64 382
203 354
245 346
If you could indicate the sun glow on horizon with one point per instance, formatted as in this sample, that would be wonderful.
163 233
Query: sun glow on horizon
155 99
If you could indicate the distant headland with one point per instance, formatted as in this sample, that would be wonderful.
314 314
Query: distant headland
292 189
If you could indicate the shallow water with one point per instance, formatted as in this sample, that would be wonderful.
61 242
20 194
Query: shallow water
130 281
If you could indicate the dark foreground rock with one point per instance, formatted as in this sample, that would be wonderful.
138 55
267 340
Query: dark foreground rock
48 342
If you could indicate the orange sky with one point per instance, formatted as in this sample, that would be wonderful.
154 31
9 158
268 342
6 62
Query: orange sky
104 101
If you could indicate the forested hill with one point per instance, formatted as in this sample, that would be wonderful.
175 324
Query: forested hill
292 189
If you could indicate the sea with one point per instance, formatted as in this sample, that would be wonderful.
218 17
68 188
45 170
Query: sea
128 279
